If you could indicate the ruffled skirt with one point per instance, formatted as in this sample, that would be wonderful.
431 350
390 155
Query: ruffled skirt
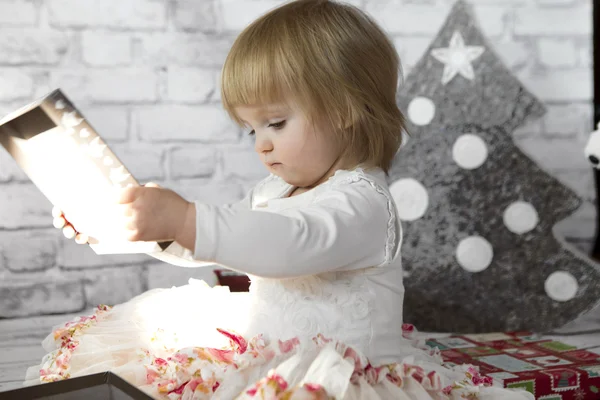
181 343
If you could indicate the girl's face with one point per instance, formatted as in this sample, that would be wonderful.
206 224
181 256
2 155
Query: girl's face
289 145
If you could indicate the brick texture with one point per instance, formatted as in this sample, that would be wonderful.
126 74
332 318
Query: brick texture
32 46
554 21
9 169
29 250
116 14
106 48
145 73
190 85
145 162
192 162
112 121
182 48
117 284
115 85
20 299
18 13
23 206
172 123
195 15
16 84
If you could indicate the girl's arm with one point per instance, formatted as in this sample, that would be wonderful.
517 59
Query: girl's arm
178 255
345 228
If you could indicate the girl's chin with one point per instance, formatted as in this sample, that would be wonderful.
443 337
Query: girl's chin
286 176
291 178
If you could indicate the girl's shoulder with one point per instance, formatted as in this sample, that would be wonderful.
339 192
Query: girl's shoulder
375 178
357 179
365 183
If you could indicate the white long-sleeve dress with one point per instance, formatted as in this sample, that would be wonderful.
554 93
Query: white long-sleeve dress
323 318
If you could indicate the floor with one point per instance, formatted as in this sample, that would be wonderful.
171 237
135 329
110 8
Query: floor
20 342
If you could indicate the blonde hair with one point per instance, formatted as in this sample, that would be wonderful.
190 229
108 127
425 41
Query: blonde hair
336 63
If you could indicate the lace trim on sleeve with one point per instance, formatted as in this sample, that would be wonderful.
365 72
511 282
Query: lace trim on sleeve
391 248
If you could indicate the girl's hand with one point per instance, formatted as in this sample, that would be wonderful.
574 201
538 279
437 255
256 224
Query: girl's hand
61 222
153 213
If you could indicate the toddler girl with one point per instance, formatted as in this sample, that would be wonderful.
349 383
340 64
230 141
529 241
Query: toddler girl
315 83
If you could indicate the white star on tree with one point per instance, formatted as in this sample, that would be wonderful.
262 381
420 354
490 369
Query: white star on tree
457 58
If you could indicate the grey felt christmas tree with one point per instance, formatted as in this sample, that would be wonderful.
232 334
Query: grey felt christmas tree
480 250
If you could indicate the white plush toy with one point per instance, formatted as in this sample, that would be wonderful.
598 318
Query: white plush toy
592 149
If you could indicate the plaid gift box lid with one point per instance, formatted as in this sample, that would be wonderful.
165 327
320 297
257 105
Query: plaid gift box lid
549 369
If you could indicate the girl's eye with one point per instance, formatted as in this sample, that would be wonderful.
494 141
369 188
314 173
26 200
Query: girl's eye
277 125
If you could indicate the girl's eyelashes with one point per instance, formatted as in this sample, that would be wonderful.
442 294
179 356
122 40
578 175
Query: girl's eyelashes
275 125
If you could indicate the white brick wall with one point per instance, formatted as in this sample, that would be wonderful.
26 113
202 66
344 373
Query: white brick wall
194 15
192 162
536 20
112 121
33 46
101 49
115 14
190 85
145 74
114 85
556 53
18 13
18 254
176 123
236 14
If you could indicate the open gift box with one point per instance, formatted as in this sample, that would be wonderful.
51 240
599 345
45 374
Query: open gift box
549 369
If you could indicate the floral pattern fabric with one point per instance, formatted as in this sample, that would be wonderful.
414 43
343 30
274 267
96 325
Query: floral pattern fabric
196 373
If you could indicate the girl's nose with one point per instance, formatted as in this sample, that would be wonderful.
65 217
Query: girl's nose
263 144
